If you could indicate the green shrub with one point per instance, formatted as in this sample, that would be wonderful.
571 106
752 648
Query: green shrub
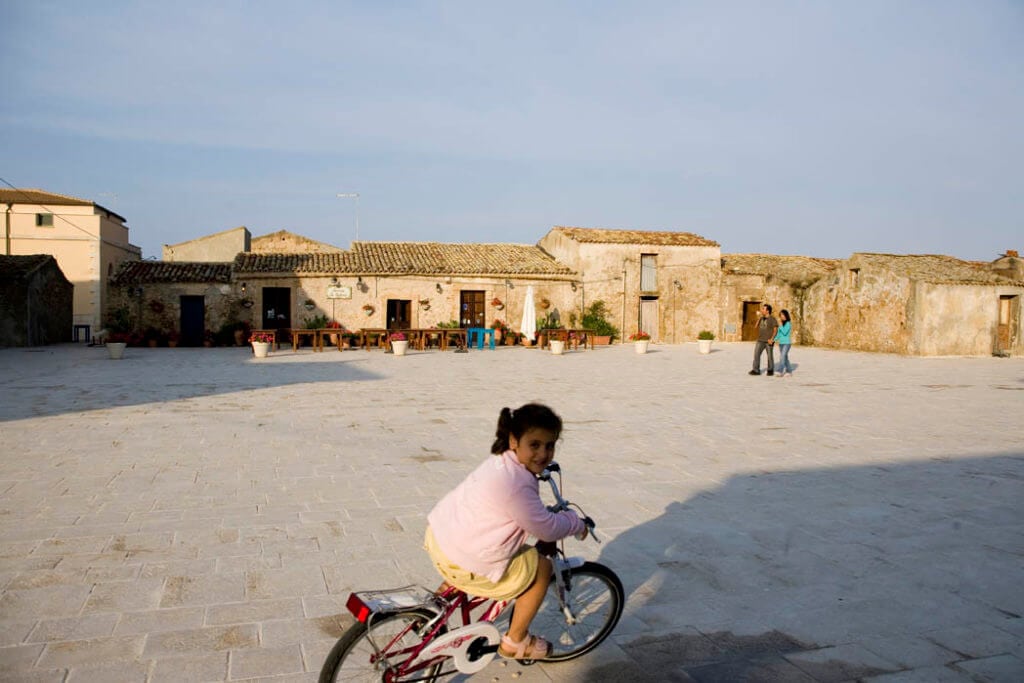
705 334
595 318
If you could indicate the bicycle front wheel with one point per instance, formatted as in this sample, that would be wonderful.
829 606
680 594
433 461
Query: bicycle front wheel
596 600
354 656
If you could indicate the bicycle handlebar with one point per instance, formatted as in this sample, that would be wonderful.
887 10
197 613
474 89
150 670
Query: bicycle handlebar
562 503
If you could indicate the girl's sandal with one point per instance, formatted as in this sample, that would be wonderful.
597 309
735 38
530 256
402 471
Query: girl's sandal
530 647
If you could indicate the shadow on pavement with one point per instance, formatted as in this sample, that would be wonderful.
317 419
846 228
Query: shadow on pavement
44 384
827 575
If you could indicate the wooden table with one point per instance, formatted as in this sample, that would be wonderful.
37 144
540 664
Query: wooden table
314 338
570 337
325 332
457 335
378 334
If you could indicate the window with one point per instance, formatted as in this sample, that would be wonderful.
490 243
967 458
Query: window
44 220
854 278
648 273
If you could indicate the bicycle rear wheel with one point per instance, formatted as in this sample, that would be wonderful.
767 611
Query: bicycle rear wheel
351 658
596 600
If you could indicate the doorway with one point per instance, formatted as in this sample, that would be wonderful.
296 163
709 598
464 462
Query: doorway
750 320
1009 314
399 314
472 312
193 320
277 308
649 317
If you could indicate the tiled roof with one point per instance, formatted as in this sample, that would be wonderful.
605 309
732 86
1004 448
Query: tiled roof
421 258
802 270
17 267
458 259
658 237
935 268
31 196
326 262
147 272
35 196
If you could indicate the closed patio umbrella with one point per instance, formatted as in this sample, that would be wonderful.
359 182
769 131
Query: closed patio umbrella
529 324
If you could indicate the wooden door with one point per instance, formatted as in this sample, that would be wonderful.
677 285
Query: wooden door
399 314
277 308
472 311
1008 308
750 320
649 317
193 320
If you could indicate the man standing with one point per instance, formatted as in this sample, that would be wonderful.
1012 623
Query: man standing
767 328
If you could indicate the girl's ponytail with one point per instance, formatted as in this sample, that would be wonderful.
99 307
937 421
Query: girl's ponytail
501 434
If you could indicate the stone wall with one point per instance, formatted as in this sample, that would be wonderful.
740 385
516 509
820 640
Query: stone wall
156 307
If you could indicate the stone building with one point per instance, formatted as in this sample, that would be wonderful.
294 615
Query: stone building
170 300
284 242
919 305
36 301
664 283
748 280
402 285
218 247
88 241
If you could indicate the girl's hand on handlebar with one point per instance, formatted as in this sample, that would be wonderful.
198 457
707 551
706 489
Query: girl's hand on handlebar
581 536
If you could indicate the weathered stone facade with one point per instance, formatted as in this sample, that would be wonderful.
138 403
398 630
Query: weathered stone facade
919 305
748 280
665 283
36 301
219 247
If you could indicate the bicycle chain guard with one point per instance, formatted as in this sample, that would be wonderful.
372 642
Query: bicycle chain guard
456 644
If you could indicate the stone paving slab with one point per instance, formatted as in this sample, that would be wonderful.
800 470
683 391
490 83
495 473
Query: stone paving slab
197 514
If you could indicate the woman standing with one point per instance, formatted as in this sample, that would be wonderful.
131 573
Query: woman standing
783 340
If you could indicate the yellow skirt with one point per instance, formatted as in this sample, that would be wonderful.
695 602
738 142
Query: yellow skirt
520 573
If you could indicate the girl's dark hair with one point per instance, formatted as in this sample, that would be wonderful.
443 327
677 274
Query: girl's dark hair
518 422
784 314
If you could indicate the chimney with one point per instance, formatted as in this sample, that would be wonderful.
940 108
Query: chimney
1011 252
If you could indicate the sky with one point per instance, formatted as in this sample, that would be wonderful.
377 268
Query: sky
787 127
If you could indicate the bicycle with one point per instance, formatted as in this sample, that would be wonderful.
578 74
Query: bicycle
415 634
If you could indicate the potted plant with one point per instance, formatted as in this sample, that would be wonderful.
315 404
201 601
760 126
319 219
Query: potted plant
640 341
115 343
208 338
595 319
704 339
499 330
261 342
173 338
497 303
334 325
309 304
399 344
368 309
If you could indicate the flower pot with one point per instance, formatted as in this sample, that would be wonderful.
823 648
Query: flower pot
602 339
239 337
704 345
557 347
640 346
261 349
400 347
116 350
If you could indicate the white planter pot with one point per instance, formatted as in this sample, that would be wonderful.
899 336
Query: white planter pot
400 347
116 350
261 349
641 346
557 347
704 345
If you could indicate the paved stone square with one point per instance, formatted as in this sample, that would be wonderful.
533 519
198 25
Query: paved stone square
200 515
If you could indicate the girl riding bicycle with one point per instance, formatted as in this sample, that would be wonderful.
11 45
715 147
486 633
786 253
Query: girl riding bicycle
476 534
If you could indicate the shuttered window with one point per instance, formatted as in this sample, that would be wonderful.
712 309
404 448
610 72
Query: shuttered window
648 273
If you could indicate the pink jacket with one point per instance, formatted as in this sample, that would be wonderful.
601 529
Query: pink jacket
483 521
